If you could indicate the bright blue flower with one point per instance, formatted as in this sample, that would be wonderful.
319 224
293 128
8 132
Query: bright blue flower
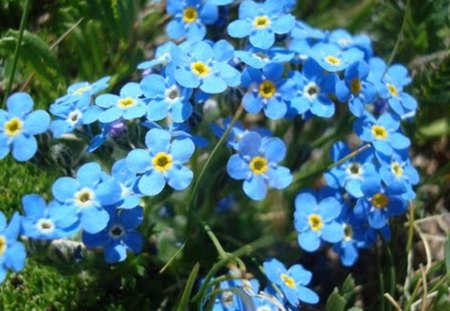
397 173
357 235
220 2
355 89
128 105
379 203
119 236
313 89
352 173
258 58
206 67
162 57
390 84
267 90
257 163
316 221
73 115
292 282
18 126
163 162
303 31
12 252
47 223
190 18
77 90
345 40
166 96
260 22
383 133
331 58
301 48
89 193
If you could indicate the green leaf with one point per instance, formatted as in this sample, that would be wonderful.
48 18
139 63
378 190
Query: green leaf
354 309
347 289
336 302
437 128
447 254
188 288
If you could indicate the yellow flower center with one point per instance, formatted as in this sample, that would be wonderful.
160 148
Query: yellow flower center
392 89
288 281
200 69
190 15
13 127
2 245
261 22
397 169
267 89
84 197
258 165
379 132
355 86
332 60
348 232
162 161
126 102
315 222
379 200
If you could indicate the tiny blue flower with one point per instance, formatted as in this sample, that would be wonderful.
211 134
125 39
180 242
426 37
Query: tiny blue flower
47 223
292 282
316 221
162 57
313 87
190 18
355 88
77 90
128 105
379 203
128 183
166 96
303 31
345 40
119 236
260 22
89 193
206 67
383 133
18 126
257 163
331 58
163 162
258 58
12 252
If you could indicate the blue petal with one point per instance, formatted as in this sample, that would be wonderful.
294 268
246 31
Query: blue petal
134 241
275 109
181 111
186 78
273 270
115 253
237 168
223 51
262 39
255 187
19 104
249 144
333 232
106 100
24 148
213 84
307 295
399 141
138 161
135 112
309 241
377 219
153 86
34 206
112 114
283 24
157 110
89 174
209 13
306 203
182 149
94 219
64 189
99 239
37 122
175 29
152 183
179 179
15 257
108 192
239 29
157 140
131 218
252 103
280 177
330 208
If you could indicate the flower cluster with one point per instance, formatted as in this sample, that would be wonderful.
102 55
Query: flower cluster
279 69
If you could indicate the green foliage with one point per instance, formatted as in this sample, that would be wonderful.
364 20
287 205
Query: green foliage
340 298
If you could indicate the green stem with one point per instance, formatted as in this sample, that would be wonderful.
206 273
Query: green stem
17 49
215 240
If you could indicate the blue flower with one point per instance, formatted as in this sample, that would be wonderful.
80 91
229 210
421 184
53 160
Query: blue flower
77 90
220 2
163 162
12 252
128 105
292 282
72 115
316 221
267 90
355 88
313 87
162 57
114 129
260 22
345 40
190 17
258 58
18 126
257 163
390 84
119 236
331 58
89 193
379 203
47 223
206 67
128 183
303 31
166 96
397 173
383 133
352 173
